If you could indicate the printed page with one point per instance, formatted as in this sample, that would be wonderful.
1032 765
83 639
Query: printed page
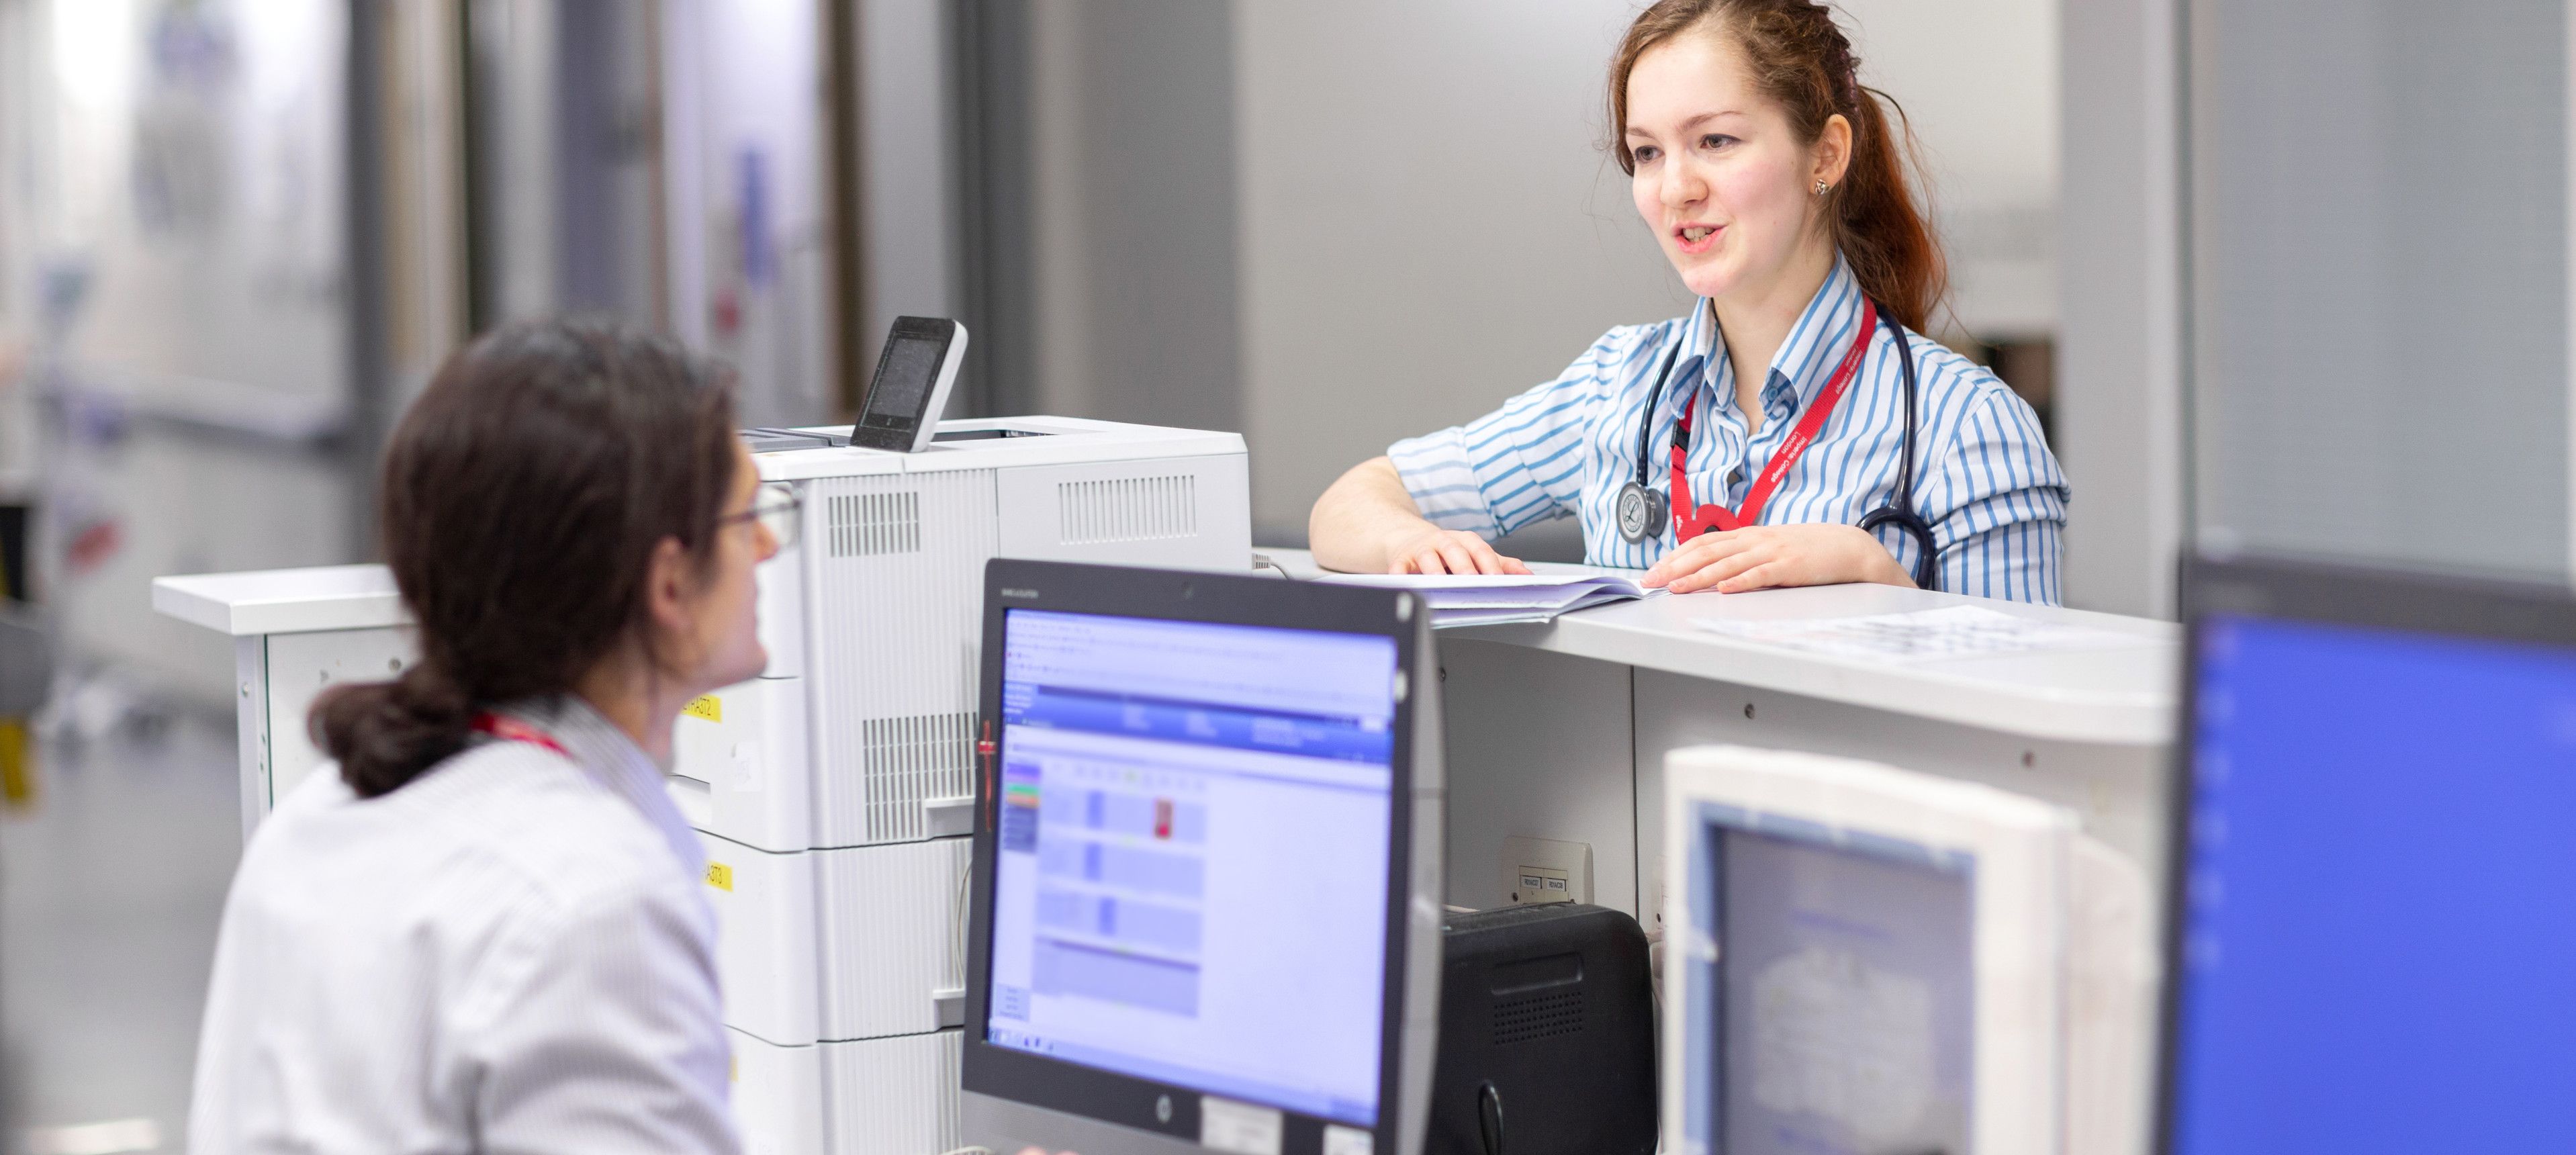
1925 635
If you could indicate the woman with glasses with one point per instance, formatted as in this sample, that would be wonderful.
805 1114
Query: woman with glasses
485 929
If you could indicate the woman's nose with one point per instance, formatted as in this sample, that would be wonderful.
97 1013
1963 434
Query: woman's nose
1681 186
766 544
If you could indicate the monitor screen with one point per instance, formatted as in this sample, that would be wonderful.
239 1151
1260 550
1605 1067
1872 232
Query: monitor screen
1847 997
904 378
1192 855
2377 947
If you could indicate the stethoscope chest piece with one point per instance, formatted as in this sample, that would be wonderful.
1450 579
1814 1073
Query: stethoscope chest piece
1641 513
1641 510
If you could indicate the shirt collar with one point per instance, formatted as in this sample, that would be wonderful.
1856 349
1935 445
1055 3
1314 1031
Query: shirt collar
1816 344
1696 364
616 762
1806 359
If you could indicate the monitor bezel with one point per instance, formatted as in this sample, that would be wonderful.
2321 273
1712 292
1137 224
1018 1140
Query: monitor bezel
2318 592
2001 843
1108 1097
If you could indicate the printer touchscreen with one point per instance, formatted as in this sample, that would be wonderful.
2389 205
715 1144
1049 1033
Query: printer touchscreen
910 367
1192 856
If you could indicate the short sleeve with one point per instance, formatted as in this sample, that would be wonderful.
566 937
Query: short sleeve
2000 501
608 1035
1522 463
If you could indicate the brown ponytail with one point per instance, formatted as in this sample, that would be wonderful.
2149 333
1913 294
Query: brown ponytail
523 496
1802 60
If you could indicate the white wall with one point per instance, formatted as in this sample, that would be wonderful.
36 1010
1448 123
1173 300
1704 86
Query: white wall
1132 136
516 53
1978 80
2119 354
2379 282
202 189
753 78
908 197
1428 222
24 108
206 200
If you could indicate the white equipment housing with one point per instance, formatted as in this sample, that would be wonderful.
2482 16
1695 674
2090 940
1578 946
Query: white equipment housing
834 793
1894 886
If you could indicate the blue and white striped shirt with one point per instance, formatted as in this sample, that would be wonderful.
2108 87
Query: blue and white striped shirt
1984 478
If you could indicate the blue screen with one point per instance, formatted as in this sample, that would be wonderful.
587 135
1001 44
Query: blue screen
2379 946
1194 855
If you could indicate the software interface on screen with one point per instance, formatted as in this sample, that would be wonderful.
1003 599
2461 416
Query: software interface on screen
1193 875
2380 948
1848 1000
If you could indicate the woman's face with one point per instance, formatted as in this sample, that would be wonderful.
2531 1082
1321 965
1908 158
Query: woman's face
724 618
1720 175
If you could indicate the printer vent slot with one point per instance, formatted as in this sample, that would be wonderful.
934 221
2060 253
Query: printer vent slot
906 760
1126 509
1546 1016
871 524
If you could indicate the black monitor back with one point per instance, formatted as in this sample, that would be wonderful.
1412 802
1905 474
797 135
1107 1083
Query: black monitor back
1547 1034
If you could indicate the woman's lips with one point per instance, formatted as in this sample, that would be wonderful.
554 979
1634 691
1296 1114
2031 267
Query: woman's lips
1707 239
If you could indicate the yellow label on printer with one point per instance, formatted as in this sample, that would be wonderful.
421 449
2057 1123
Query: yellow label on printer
720 876
706 706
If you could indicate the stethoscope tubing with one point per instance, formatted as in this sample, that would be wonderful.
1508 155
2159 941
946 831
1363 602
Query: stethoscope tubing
1899 512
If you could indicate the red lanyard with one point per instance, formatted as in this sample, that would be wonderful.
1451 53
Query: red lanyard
1690 521
513 730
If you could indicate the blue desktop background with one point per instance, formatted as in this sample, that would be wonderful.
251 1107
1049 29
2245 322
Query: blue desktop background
2380 946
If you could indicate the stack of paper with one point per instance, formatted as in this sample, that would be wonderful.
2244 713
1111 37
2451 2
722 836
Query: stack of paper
1494 599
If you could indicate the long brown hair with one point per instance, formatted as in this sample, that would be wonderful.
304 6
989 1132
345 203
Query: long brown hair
522 499
1801 60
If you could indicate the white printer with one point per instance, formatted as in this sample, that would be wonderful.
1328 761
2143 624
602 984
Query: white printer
834 792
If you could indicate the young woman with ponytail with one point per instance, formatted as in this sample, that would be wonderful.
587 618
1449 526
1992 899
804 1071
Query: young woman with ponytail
486 930
1739 448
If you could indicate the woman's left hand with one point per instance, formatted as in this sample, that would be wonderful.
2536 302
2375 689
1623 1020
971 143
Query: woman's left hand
1764 556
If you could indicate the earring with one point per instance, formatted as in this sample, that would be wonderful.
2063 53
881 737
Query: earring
1821 187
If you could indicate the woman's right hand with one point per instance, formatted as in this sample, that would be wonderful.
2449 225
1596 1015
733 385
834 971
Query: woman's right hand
1430 549
1367 523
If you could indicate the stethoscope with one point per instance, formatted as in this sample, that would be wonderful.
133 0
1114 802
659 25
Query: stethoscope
1642 510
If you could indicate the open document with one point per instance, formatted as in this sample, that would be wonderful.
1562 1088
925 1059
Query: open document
1494 599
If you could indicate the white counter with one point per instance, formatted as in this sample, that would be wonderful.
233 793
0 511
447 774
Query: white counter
1564 724
2117 696
284 601
1556 733
296 633
1559 731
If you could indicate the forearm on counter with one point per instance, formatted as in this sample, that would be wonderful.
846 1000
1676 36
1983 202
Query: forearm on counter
1356 518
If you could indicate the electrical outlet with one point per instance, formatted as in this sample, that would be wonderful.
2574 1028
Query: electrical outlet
1537 870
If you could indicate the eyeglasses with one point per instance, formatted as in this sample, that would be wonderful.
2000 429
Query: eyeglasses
778 510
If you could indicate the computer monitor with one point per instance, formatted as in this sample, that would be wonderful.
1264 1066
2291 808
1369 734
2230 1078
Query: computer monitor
1206 897
2372 944
1864 958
